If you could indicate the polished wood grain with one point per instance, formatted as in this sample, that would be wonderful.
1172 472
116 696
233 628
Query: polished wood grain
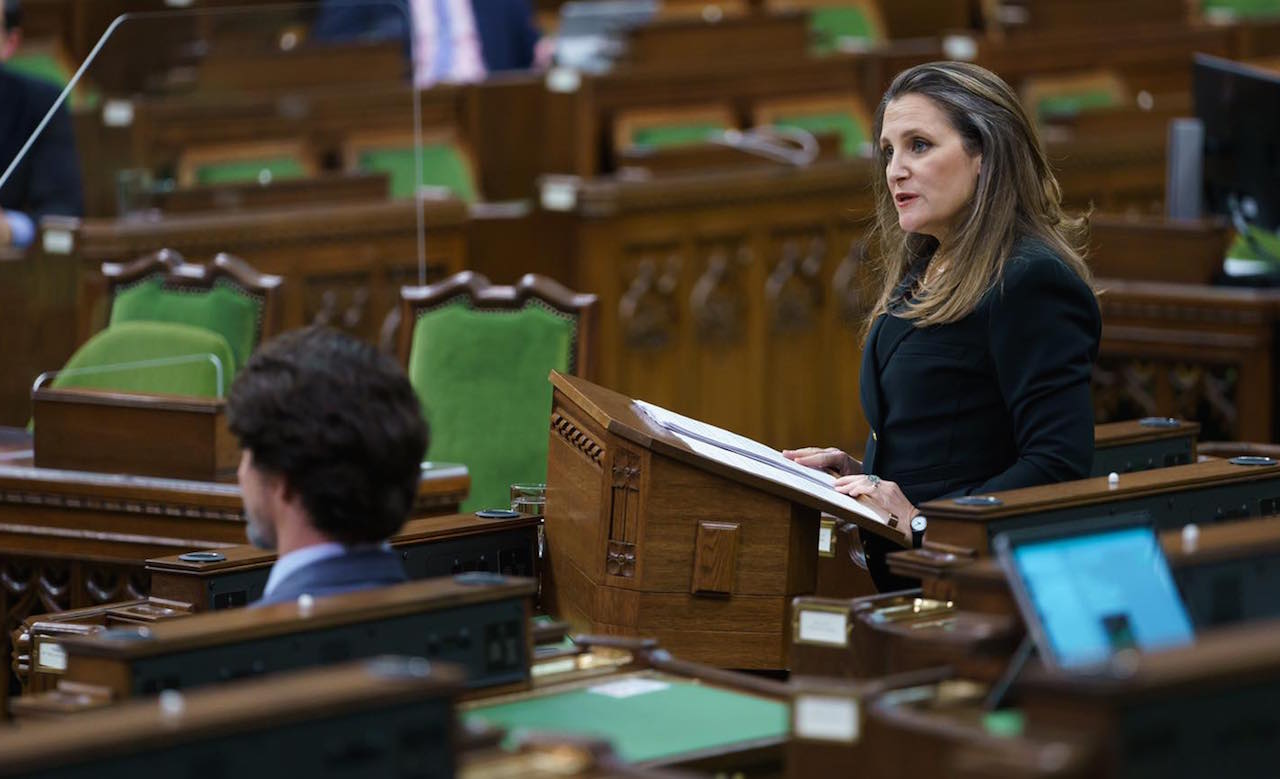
149 435
214 714
324 188
715 558
105 659
625 502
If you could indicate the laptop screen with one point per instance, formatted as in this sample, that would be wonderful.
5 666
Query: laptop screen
1089 594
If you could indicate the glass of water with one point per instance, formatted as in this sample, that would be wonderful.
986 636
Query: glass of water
529 499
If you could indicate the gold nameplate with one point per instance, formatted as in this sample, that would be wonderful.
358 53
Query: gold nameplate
820 625
827 538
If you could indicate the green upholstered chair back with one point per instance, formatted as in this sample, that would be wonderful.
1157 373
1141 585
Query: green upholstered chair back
673 135
842 28
1241 9
47 62
852 129
670 127
262 170
479 357
152 357
444 165
226 296
1070 103
1048 97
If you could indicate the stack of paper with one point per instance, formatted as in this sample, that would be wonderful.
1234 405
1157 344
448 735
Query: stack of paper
753 457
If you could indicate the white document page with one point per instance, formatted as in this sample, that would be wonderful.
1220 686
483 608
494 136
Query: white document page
753 457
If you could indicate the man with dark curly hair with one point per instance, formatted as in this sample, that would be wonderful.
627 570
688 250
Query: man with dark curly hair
332 439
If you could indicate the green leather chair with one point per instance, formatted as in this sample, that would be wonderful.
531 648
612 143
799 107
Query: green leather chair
841 27
670 127
1242 9
265 169
443 165
479 356
841 115
226 297
163 358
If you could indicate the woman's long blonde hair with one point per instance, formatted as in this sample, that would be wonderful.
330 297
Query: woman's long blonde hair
1016 195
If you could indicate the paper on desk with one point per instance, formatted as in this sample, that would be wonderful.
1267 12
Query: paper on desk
752 457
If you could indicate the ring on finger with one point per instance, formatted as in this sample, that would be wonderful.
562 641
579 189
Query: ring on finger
875 480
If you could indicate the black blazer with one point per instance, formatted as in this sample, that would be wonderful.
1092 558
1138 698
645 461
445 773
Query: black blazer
998 400
47 181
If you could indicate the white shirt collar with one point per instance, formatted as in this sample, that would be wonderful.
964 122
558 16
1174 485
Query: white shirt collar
300 558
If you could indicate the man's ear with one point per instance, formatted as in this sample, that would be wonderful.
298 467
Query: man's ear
280 488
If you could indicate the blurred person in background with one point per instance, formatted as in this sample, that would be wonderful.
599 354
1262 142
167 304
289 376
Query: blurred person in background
47 179
453 41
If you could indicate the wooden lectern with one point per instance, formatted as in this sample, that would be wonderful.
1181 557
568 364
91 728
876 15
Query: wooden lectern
645 537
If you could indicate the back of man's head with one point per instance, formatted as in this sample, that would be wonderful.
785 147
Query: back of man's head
338 420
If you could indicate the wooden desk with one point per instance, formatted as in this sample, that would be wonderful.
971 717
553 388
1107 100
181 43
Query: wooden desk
318 721
1143 444
429 547
477 621
1202 709
1119 447
1200 493
965 615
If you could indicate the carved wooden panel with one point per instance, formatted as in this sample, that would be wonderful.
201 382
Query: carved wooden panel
852 295
37 585
624 514
726 339
648 345
341 301
1208 393
798 367
648 309
575 435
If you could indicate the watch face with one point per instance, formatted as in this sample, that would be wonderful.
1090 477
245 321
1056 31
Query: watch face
919 524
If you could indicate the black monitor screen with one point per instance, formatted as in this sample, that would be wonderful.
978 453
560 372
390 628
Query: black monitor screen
1240 108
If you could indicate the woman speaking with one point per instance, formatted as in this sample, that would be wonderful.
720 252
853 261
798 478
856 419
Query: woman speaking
980 347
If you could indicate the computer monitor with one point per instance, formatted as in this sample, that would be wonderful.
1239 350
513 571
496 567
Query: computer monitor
590 34
1239 106
1091 588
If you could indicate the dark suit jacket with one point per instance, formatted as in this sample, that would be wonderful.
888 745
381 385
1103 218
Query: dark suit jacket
999 400
357 570
47 180
506 29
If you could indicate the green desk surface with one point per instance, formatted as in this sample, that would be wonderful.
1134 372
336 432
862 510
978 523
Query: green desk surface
678 717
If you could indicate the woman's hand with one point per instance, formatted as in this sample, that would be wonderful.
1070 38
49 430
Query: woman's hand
830 459
885 494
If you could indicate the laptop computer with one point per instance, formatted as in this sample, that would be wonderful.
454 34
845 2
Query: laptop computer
1091 588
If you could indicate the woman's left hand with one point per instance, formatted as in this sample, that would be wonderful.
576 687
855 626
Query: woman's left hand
883 493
